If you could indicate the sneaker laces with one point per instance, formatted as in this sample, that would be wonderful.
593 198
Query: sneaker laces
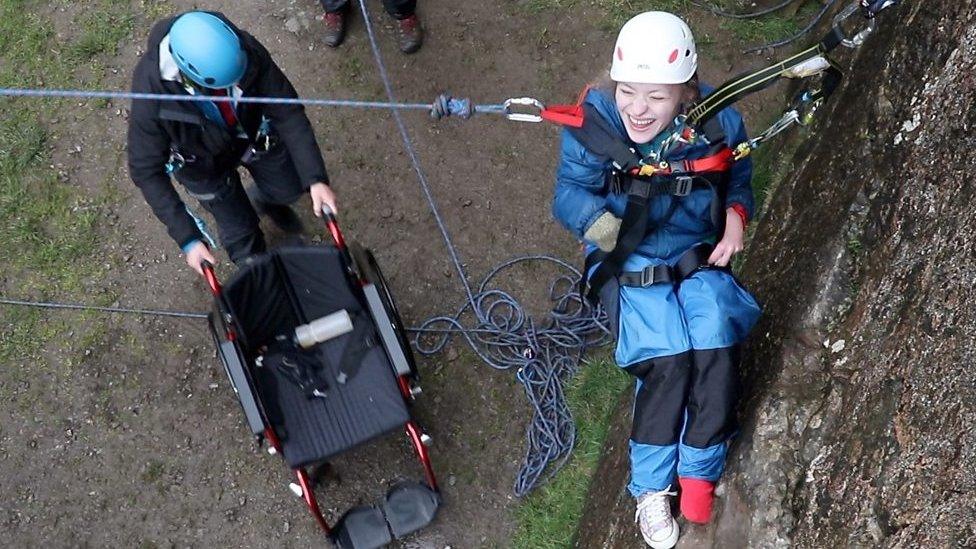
656 505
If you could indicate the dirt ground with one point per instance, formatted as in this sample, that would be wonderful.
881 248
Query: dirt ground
140 441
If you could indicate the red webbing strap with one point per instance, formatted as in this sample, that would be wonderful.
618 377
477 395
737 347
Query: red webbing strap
564 115
567 115
718 162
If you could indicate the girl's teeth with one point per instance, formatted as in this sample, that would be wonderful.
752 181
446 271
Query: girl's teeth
640 123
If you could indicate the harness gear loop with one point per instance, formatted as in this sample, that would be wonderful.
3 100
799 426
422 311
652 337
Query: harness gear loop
523 116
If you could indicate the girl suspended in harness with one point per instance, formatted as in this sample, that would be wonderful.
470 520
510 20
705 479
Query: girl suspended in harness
662 210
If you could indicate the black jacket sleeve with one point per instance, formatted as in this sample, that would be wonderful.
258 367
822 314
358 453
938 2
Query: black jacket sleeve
290 121
148 151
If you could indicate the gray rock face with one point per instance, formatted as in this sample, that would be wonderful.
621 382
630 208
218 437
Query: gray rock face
858 427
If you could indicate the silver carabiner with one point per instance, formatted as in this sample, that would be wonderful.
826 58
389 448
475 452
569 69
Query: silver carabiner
857 39
522 116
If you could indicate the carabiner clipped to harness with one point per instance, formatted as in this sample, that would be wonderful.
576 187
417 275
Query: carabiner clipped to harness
874 7
857 39
523 116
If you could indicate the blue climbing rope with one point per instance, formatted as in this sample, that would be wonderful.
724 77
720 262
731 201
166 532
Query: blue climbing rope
544 356
443 105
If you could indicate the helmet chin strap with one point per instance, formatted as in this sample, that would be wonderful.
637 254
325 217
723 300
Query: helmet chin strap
187 81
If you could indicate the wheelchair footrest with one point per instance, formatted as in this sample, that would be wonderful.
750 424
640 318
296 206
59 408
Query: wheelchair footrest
408 507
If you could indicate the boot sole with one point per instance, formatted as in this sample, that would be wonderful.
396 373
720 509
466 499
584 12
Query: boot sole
667 543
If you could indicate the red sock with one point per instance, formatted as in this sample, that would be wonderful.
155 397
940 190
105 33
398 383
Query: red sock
697 496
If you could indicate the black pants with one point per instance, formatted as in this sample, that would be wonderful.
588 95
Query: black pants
277 182
705 383
398 9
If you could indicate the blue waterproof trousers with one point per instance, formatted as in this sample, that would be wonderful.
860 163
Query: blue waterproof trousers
681 343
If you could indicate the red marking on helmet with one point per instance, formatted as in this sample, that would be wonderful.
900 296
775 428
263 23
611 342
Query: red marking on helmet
620 53
673 57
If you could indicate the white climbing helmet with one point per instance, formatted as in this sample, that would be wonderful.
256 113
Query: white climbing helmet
655 47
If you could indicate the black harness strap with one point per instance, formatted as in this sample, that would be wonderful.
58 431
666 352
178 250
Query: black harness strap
691 261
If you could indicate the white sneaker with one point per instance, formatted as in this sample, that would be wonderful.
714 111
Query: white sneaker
658 527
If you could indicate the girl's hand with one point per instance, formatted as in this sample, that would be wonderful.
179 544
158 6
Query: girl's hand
732 240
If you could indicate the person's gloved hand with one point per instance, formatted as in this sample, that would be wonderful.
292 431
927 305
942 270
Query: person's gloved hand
603 231
322 195
197 254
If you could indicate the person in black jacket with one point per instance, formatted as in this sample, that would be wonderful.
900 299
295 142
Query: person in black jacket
202 143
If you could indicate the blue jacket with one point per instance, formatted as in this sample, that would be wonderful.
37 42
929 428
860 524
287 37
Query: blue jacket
581 195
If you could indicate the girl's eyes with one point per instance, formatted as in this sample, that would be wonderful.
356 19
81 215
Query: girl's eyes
630 93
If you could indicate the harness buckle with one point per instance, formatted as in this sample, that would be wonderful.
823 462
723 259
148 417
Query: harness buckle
647 276
683 185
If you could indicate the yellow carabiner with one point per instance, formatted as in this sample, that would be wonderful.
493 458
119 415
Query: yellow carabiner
651 169
741 151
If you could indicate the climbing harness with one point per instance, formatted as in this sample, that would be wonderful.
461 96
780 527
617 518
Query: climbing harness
642 182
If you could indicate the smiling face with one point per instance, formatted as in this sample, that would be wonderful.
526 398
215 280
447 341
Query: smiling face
647 109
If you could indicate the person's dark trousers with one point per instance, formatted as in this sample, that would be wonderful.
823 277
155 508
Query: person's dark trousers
277 182
398 9
695 392
704 384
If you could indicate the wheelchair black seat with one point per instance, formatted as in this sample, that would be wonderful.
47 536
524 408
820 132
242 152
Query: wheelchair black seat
292 286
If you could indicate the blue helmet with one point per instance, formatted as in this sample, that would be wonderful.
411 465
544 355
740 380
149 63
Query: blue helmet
207 50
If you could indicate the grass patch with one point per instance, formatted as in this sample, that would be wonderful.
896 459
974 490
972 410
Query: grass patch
761 30
547 519
615 12
154 10
772 27
47 227
103 26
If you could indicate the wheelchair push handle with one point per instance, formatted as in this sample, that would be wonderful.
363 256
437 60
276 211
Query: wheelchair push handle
211 277
332 225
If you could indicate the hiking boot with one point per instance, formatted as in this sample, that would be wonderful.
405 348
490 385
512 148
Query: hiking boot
658 527
410 35
697 497
335 28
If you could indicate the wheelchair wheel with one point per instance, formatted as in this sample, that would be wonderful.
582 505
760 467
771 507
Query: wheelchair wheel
369 269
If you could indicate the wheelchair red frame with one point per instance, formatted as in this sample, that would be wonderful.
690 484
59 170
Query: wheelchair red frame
362 271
